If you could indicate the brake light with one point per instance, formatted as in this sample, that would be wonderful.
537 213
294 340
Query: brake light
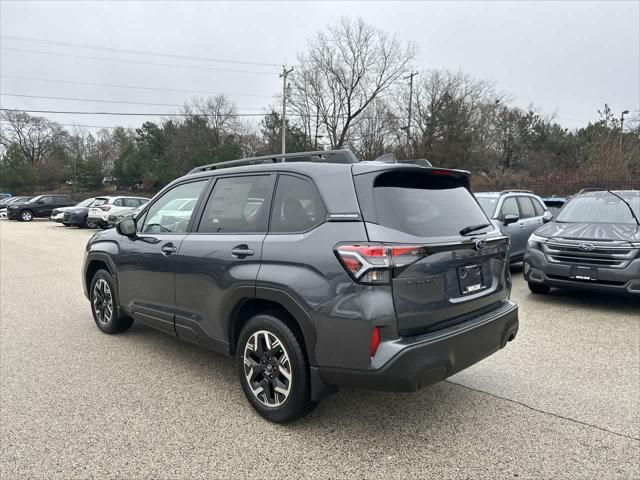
442 172
375 341
105 208
373 263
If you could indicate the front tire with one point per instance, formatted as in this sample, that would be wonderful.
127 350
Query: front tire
89 224
104 304
539 288
273 369
26 215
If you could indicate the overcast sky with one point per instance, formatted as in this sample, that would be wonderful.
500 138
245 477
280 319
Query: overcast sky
568 58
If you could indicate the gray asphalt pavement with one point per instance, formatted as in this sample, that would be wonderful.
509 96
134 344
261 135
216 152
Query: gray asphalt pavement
561 401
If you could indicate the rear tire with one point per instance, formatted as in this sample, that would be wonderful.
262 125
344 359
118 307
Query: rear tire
539 288
104 304
273 370
26 216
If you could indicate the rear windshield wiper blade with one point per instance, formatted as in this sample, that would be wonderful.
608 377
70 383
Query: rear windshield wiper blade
473 228
633 214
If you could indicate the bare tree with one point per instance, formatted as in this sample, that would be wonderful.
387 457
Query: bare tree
33 136
343 70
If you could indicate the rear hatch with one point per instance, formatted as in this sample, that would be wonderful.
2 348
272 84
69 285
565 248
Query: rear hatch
440 274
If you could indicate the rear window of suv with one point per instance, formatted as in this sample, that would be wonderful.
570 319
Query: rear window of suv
424 205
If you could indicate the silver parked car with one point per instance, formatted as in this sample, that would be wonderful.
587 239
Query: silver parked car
517 213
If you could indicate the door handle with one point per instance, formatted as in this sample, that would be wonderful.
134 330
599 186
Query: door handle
241 251
168 249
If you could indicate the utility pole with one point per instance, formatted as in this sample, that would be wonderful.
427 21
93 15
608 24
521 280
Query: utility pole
284 75
625 112
410 77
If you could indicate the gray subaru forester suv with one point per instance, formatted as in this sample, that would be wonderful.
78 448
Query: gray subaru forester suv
316 271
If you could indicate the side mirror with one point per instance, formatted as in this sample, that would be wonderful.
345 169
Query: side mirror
126 227
547 216
509 219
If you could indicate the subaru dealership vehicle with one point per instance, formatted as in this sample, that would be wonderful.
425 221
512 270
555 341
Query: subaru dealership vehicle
593 243
57 214
517 213
99 215
78 216
316 271
38 207
5 202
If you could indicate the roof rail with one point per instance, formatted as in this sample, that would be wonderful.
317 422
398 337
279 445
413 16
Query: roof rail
515 190
319 156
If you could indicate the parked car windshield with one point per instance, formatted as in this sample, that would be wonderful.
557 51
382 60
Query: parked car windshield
424 206
488 204
600 208
85 203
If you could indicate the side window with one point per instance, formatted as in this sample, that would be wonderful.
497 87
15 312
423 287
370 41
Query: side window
297 206
238 205
538 207
131 202
161 218
48 200
509 207
526 207
118 202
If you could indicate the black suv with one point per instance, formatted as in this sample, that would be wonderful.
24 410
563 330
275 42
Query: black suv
593 243
316 271
37 207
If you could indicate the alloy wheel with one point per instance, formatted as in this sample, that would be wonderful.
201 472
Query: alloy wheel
27 216
102 302
267 368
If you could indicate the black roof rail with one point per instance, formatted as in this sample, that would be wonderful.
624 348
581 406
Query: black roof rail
319 156
515 190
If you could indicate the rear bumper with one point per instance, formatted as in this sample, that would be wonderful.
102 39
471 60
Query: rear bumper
427 359
625 281
101 222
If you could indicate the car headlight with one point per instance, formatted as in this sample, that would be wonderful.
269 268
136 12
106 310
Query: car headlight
536 241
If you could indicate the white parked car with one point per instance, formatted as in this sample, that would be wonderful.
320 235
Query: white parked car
99 215
58 213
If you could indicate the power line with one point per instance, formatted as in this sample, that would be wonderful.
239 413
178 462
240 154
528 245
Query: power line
97 100
170 114
135 87
80 125
133 114
137 52
140 62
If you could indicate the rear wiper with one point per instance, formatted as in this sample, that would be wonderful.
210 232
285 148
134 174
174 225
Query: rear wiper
627 204
473 228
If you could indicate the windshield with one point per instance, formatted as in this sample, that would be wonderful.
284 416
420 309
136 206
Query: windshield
424 206
488 204
85 203
35 199
600 208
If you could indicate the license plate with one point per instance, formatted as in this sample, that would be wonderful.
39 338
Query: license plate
580 272
471 278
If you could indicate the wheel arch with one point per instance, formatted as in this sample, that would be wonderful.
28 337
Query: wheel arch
281 305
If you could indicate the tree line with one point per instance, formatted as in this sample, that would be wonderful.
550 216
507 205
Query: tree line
348 90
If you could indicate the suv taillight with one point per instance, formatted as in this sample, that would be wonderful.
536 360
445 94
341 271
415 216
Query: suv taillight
105 208
373 263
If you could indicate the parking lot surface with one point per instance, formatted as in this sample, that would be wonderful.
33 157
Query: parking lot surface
561 401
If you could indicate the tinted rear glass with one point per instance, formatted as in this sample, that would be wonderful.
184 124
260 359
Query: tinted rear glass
600 208
424 205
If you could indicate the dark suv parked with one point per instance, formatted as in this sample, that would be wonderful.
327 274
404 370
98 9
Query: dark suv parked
316 271
38 207
593 243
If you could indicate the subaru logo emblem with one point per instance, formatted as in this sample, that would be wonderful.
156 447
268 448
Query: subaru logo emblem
586 247
480 244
